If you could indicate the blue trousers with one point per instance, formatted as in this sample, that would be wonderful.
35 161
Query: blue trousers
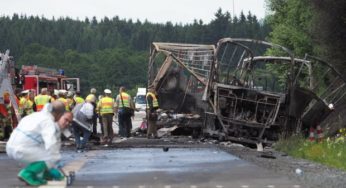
125 124
78 131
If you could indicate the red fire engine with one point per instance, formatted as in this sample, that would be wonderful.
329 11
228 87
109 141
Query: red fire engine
35 78
29 77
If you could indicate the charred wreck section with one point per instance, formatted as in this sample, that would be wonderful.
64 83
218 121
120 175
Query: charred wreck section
180 73
236 92
249 102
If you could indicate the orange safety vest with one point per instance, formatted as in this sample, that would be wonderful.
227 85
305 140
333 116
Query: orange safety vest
155 101
125 98
40 101
106 105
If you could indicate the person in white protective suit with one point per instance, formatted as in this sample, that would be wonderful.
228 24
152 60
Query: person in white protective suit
37 141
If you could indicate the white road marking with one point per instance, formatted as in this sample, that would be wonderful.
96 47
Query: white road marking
167 186
244 186
193 186
271 186
219 186
115 186
296 186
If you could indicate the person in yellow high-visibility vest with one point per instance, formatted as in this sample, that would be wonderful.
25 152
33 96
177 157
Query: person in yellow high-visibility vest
41 99
70 101
25 104
77 98
62 98
30 108
22 102
125 109
152 106
106 109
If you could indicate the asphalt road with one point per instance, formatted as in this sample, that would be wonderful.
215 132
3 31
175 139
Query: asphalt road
179 167
152 167
149 166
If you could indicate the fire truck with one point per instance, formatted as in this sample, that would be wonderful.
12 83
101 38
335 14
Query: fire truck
33 77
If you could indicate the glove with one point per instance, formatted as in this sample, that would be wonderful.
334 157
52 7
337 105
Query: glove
56 174
59 164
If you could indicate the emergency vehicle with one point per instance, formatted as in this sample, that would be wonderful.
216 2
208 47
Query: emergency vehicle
34 78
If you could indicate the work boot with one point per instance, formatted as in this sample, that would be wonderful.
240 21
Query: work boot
30 174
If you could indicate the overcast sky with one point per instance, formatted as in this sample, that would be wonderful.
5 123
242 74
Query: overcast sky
157 11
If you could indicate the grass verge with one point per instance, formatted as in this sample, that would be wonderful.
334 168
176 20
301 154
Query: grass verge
331 152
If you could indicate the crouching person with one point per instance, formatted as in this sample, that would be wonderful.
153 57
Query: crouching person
82 123
37 141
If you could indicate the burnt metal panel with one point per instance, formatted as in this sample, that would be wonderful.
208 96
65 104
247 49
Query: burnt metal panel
236 92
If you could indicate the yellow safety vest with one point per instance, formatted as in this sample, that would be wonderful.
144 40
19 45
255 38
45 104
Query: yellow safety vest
155 101
21 106
63 100
29 107
69 102
125 98
25 105
40 101
79 100
106 105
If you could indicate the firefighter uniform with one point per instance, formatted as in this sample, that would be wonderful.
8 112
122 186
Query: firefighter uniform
5 121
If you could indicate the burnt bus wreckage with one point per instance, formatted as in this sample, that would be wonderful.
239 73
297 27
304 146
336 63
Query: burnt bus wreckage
235 92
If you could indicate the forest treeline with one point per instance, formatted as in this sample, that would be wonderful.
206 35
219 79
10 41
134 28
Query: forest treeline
111 52
315 27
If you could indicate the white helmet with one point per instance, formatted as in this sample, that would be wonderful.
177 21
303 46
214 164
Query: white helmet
56 92
70 93
25 91
107 91
63 91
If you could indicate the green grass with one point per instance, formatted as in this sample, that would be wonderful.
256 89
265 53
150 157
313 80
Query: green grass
331 152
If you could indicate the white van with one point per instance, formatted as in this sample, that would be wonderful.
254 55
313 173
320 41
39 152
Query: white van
140 100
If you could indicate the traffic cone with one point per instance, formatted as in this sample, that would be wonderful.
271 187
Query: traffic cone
319 133
312 134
